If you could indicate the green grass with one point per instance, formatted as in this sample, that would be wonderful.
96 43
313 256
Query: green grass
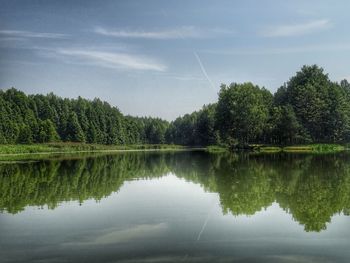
310 148
315 148
78 147
6 151
215 149
270 149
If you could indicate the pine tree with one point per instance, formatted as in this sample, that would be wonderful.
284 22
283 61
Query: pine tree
73 130
47 132
25 135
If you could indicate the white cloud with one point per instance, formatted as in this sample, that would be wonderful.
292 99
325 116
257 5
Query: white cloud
330 47
176 33
114 60
114 236
296 29
29 34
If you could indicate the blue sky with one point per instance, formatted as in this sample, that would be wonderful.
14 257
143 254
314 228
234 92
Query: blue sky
166 58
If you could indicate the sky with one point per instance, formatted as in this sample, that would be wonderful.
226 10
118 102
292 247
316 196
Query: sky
166 58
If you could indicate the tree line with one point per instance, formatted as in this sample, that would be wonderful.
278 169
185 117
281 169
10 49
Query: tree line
308 108
40 119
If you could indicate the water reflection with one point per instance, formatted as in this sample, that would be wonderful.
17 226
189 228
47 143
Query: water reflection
312 188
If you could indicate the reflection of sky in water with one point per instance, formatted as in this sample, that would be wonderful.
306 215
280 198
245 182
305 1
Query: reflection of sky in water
165 219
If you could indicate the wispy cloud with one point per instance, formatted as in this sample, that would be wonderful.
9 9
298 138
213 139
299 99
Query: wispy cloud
113 60
296 29
330 47
143 231
175 33
18 34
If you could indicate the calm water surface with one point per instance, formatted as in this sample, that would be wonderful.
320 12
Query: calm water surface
176 207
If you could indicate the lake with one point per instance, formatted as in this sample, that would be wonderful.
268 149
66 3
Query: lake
176 207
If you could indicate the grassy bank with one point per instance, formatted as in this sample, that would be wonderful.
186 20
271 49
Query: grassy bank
78 147
215 149
33 149
311 148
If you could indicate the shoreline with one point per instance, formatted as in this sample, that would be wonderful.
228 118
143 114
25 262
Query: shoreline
307 148
36 150
103 151
80 150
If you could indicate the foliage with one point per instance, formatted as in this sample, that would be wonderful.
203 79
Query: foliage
41 119
242 112
309 108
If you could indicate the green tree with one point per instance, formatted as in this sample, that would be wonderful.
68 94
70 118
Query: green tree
205 126
285 126
73 130
242 112
47 132
25 135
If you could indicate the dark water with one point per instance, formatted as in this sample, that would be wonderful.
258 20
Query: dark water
176 207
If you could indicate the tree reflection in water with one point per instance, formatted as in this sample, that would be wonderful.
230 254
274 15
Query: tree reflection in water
312 188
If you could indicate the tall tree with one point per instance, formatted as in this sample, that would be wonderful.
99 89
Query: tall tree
47 132
242 112
74 131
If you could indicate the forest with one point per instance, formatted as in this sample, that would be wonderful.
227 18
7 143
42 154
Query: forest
309 108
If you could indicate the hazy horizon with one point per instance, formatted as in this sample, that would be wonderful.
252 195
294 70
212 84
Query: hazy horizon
166 59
